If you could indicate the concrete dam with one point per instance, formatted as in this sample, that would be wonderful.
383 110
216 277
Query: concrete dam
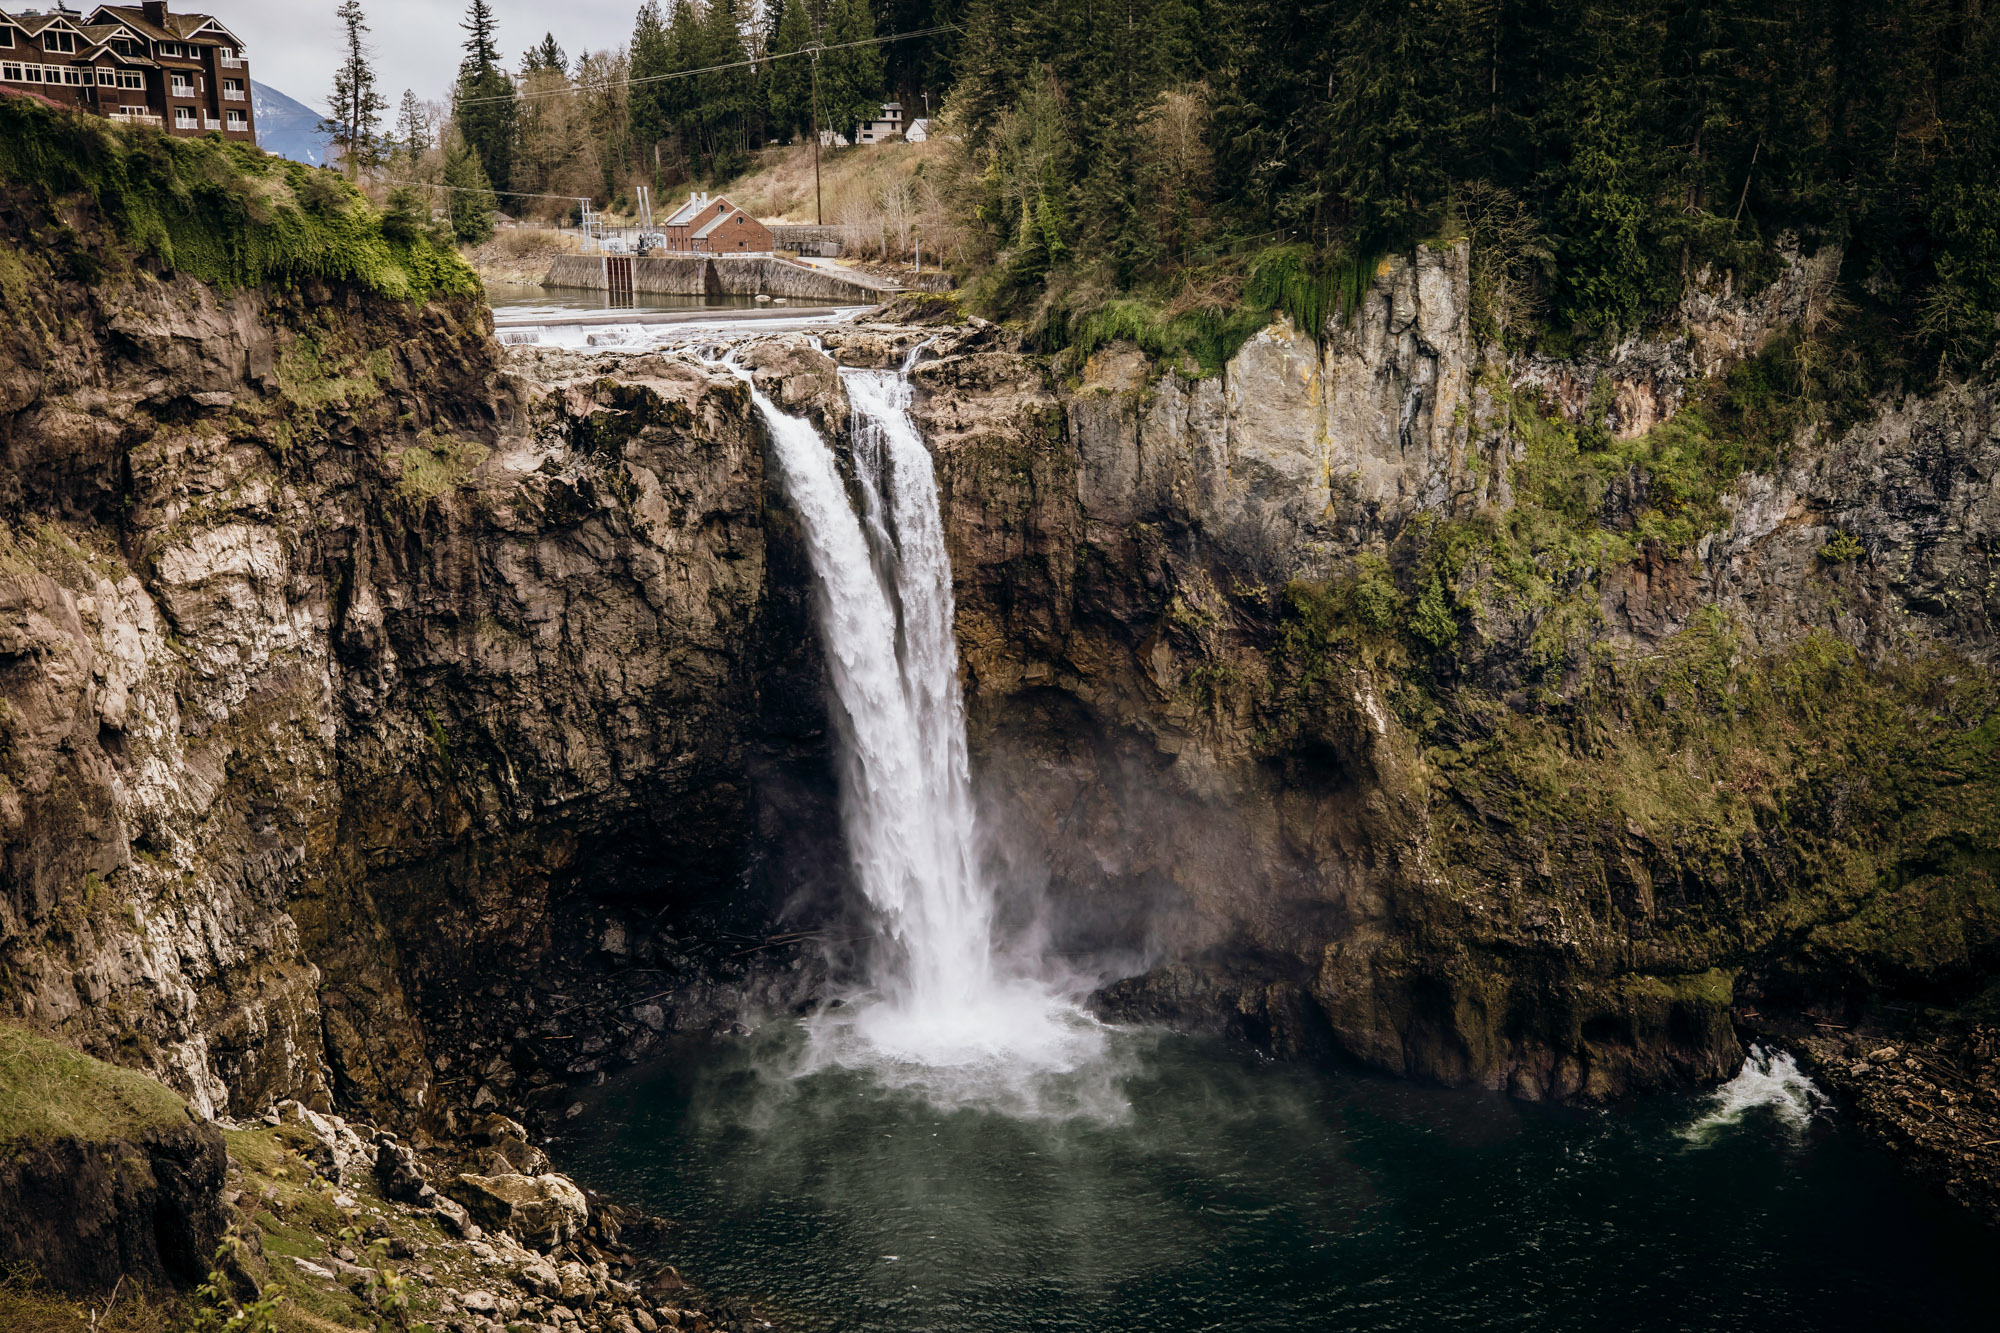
715 275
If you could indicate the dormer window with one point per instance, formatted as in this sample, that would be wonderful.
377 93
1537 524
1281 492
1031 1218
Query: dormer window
170 49
7 37
59 43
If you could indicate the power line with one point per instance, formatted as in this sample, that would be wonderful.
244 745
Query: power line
474 189
815 50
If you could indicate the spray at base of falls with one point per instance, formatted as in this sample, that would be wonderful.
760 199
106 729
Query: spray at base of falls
945 1018
1770 1079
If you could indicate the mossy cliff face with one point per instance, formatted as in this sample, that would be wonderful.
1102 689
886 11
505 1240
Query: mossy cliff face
1483 718
103 1173
355 695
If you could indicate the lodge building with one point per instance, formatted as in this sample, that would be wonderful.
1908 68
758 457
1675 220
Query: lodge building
140 64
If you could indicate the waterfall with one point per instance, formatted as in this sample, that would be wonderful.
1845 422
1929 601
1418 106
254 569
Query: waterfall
883 597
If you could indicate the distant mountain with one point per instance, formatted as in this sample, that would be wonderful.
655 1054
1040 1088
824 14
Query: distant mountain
288 128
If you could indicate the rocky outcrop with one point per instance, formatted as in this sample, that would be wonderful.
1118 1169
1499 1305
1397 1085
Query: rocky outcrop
371 711
1316 722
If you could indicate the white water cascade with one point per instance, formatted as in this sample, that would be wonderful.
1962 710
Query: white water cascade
942 1000
1770 1080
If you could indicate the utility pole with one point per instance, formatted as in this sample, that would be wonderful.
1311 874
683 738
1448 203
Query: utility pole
819 204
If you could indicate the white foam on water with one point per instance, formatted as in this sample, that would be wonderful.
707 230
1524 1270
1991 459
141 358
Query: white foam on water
945 1017
1769 1080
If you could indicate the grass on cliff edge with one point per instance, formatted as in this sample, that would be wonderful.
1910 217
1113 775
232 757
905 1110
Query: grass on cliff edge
48 1091
227 213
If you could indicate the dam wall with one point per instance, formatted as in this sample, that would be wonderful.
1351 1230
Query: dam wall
716 275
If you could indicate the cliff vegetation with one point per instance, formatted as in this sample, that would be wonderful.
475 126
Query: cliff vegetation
225 213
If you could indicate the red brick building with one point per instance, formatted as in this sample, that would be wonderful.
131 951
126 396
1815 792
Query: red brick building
711 225
184 73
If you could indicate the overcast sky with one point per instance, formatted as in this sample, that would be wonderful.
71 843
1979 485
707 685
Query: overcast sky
294 44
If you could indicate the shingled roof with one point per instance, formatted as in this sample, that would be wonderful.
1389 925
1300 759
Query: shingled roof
180 27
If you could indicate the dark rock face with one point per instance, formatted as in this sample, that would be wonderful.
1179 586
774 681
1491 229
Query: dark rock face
1539 855
366 704
82 1214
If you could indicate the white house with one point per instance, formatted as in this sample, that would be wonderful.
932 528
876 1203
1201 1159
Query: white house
919 131
887 127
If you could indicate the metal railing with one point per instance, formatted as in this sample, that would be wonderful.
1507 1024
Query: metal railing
233 95
233 62
210 123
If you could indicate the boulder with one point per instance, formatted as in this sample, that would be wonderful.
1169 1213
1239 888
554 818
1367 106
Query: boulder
506 1148
337 1150
539 1276
455 1218
577 1288
399 1175
544 1211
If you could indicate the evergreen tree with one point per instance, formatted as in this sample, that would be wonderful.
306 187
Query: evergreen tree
722 100
483 104
482 36
413 132
471 204
850 76
788 87
545 57
357 107
652 115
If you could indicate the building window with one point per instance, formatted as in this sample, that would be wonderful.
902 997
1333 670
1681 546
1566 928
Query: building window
12 74
170 49
74 75
232 90
183 86
132 79
184 118
6 37
61 43
34 74
238 121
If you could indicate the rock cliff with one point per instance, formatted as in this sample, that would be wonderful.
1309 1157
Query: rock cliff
1394 695
367 707
391 726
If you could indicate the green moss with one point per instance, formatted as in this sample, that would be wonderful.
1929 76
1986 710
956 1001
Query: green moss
223 212
437 467
48 1092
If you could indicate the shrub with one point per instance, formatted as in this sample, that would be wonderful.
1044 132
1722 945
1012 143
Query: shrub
226 213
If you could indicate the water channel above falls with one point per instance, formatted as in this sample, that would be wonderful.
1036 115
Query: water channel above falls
510 301
1218 1191
957 1147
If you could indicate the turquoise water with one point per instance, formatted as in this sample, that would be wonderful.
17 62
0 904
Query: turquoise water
1179 1185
